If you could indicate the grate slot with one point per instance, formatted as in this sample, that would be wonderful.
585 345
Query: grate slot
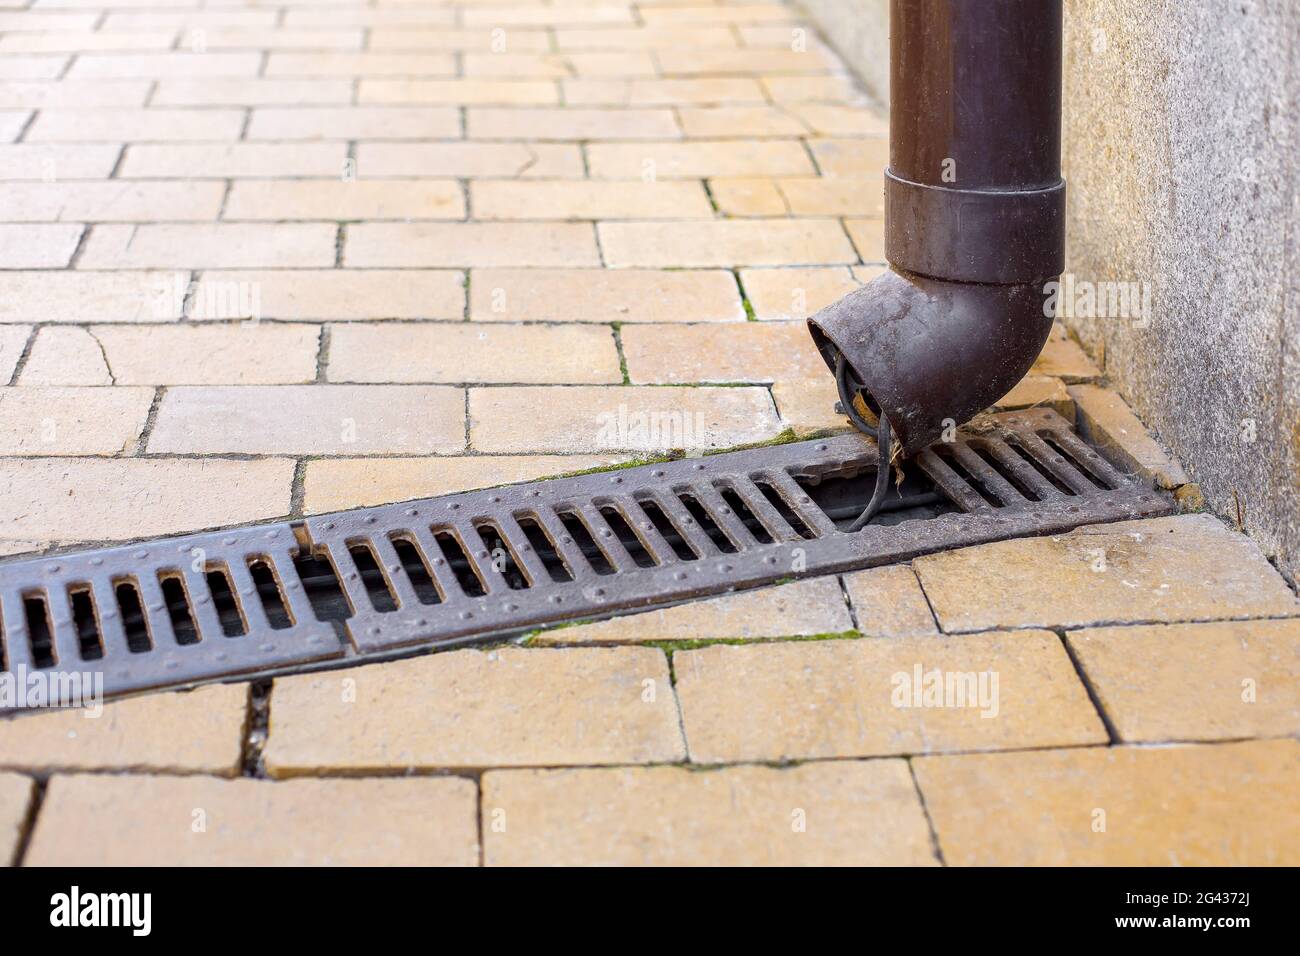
627 536
371 578
393 570
595 558
444 576
726 541
500 565
1034 477
657 526
321 588
799 501
17 653
1090 464
544 549
770 517
574 560
986 477
732 499
230 617
1057 463
959 476
530 563
40 636
249 601
958 490
138 639
267 586
680 517
184 630
789 516
412 561
1046 476
63 629
615 550
453 552
89 644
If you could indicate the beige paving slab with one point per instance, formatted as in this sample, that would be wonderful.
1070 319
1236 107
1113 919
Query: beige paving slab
463 352
1064 359
467 92
49 162
135 125
470 244
1038 391
330 294
16 794
309 420
839 89
868 237
445 39
174 19
209 246
743 122
180 821
584 199
691 160
38 246
12 122
1220 805
72 421
48 21
640 38
747 196
795 293
592 418
799 609
568 123
32 67
197 732
808 407
253 38
601 295
67 41
681 62
1111 425
100 499
332 484
753 352
336 199
706 91
369 63
13 340
725 243
556 66
536 15
65 356
112 201
1220 681
863 813
856 158
834 196
89 296
233 160
471 160
802 700
238 354
354 122
157 65
72 94
471 708
254 92
1184 568
836 119
889 602
403 15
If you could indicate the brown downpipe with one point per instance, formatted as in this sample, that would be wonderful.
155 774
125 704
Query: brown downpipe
974 218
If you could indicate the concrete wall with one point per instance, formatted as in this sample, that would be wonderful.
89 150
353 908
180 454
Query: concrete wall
859 31
1181 157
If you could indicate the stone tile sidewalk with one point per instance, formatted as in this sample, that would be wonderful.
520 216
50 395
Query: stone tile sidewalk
270 261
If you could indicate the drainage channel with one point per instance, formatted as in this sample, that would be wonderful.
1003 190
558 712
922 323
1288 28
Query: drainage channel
486 565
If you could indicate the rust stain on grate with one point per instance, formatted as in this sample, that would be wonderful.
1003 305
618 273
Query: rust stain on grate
392 580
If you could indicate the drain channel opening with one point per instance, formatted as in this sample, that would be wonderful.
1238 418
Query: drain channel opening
138 639
426 592
842 495
946 455
90 642
268 591
223 602
1071 460
667 530
582 537
741 511
40 636
631 542
178 607
454 552
502 558
322 587
787 513
544 549
706 522
1038 466
372 578
1009 476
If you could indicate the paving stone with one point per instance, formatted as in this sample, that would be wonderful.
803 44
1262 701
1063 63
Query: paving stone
1064 359
889 602
600 295
470 244
810 89
584 199
501 708
333 484
90 820
640 38
355 122
811 815
749 13
464 352
112 201
471 160
330 294
799 609
1222 805
102 499
197 732
725 243
591 418
38 246
73 94
49 162
65 356
1110 424
471 92
16 794
808 406
210 246
13 340
233 160
133 125
246 38
671 92
338 199
413 38
403 15
255 92
564 14
72 421
1220 681
32 67
89 296
568 123
795 293
12 122
744 122
691 160
868 237
832 196
753 352
1038 391
801 700
684 62
1184 568
309 420
369 63
156 65
864 158
242 354
747 196
834 119
554 66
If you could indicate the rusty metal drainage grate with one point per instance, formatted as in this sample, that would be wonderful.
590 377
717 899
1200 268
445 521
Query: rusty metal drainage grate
489 564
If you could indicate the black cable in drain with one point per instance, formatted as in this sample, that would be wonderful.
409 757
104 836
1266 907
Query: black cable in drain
881 433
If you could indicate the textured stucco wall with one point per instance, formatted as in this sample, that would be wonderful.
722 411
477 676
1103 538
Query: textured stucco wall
1181 139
